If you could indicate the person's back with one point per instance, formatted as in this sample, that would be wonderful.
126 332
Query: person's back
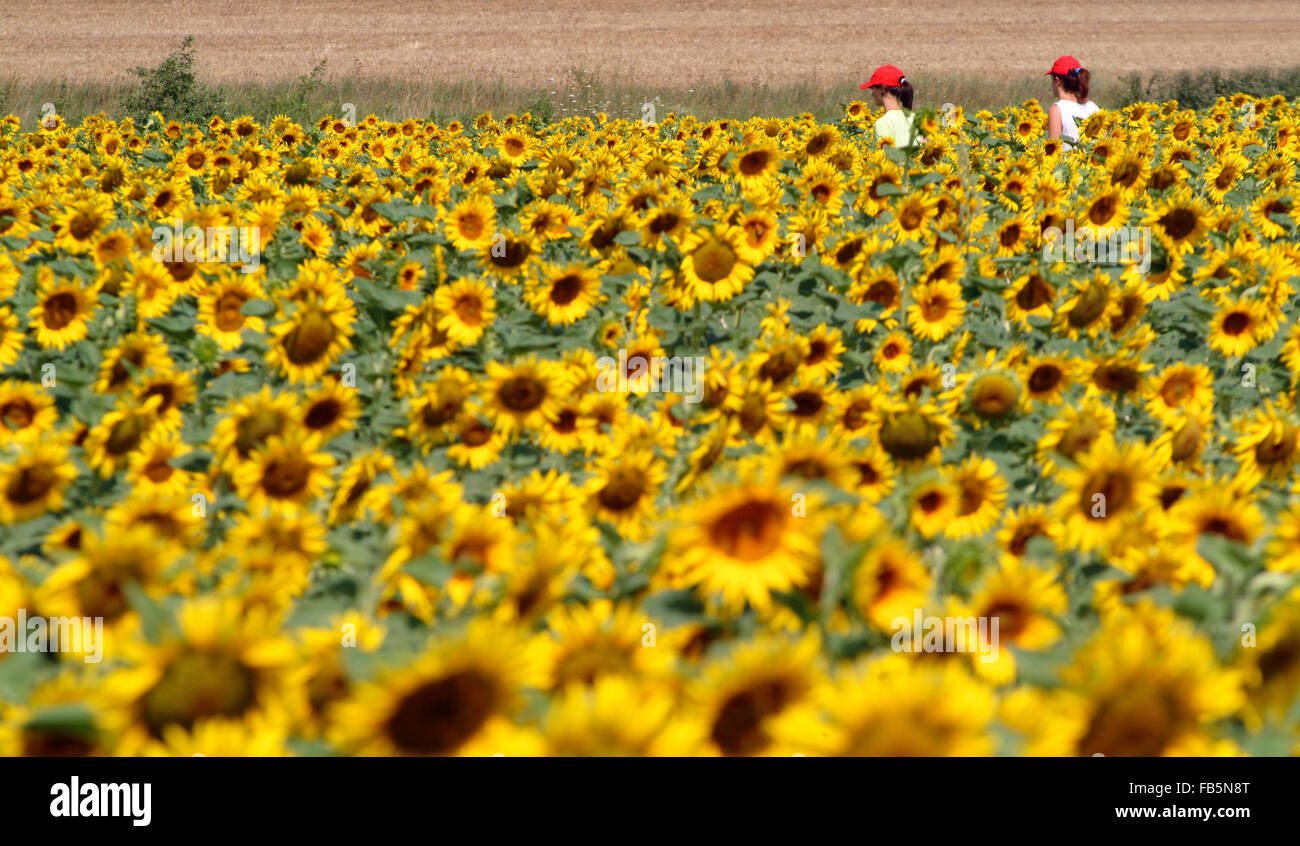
892 90
1070 82
896 124
1073 115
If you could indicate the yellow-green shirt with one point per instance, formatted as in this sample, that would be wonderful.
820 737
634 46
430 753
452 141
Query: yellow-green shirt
896 124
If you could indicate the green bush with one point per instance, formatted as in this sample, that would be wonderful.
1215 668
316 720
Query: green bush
1201 89
173 89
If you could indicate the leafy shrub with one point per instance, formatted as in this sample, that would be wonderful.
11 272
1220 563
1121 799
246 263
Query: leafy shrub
1201 89
173 89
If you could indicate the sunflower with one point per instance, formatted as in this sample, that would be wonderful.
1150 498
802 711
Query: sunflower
523 395
1027 602
572 428
875 473
357 479
751 701
991 394
1146 685
95 582
62 312
762 234
248 423
226 661
1180 387
316 236
1215 510
221 316
1014 235
1270 669
151 464
509 255
894 355
981 492
623 491
331 410
1048 378
741 543
1221 177
890 581
1180 222
308 342
155 287
932 506
1238 327
937 309
712 265
457 699
471 223
1022 526
287 471
54 723
1268 444
11 337
615 717
467 308
564 295
475 443
34 482
825 347
168 392
896 706
911 430
1274 214
1110 483
117 435
587 642
1090 308
1030 295
82 219
913 215
26 413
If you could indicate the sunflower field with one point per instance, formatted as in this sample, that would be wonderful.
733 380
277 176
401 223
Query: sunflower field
369 489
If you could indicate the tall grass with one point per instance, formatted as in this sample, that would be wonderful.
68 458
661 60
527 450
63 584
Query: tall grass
311 97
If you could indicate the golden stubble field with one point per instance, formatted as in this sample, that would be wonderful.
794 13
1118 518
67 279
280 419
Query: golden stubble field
639 41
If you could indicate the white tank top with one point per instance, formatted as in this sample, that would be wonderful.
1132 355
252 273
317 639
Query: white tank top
1073 114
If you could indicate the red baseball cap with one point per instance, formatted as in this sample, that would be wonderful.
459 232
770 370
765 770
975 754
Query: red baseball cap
1063 66
884 75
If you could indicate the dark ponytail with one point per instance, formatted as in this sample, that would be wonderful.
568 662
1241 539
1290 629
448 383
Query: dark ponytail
1076 82
903 92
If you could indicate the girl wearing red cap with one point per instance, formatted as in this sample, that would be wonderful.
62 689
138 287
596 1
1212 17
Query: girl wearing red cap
1072 107
892 90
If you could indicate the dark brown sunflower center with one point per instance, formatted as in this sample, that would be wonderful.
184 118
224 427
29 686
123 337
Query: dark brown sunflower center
713 261
522 393
750 530
60 310
623 490
17 413
566 289
440 716
226 311
910 435
198 685
1044 378
310 338
738 728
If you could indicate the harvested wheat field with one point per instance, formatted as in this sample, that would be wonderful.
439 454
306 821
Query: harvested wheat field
768 41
